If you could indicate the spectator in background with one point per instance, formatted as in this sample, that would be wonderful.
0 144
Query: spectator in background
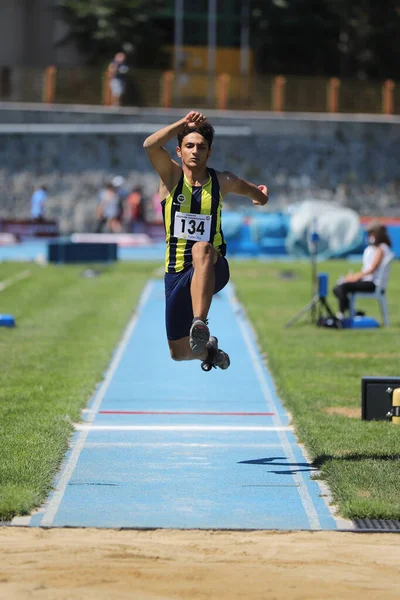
135 211
118 182
118 70
108 214
157 207
374 259
38 201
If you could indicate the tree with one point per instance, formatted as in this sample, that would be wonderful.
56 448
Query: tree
103 27
294 36
303 37
327 37
369 34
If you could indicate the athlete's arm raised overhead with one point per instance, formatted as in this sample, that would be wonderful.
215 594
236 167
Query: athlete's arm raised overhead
232 183
168 169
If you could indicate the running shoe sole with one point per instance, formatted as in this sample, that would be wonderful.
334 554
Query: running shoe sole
199 336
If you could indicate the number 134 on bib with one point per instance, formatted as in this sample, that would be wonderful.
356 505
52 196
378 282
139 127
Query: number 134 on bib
192 227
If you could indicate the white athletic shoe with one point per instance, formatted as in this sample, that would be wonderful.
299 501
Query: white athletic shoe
216 357
199 336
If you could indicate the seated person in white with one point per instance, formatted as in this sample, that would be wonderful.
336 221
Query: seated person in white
374 260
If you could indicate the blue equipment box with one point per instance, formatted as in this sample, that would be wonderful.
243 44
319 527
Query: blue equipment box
62 252
360 323
7 321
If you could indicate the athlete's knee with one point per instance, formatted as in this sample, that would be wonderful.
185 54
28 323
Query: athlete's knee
202 251
177 353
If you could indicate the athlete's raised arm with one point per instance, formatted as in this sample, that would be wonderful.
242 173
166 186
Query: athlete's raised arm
232 183
168 169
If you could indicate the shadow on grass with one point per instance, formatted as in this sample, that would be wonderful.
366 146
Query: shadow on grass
281 461
319 461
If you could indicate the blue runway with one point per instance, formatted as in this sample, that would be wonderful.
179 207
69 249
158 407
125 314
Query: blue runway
163 444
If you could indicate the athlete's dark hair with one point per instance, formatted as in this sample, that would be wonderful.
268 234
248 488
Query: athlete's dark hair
206 130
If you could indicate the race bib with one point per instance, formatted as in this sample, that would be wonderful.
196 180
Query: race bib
192 227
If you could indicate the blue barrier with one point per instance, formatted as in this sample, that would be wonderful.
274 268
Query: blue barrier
267 234
259 234
232 223
269 225
394 234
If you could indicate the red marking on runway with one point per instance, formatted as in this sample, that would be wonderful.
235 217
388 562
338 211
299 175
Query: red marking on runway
214 414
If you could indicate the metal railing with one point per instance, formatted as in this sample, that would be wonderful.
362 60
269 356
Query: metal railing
155 88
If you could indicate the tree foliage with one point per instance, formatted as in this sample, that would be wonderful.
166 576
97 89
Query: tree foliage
309 37
103 27
328 37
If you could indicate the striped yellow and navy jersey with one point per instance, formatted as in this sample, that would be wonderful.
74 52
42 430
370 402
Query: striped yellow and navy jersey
192 214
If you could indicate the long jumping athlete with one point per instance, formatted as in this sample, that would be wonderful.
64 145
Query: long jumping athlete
195 264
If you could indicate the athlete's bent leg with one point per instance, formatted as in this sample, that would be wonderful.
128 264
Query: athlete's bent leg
211 357
202 288
183 327
180 350
203 280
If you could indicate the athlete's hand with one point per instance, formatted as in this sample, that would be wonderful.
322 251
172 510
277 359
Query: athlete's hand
195 119
264 190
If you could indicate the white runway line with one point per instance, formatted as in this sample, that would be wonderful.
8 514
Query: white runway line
174 445
14 279
58 494
249 339
89 427
22 521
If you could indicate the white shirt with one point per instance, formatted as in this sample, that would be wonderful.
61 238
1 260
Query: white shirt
38 201
368 260
109 200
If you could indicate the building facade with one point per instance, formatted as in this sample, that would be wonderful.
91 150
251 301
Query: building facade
30 32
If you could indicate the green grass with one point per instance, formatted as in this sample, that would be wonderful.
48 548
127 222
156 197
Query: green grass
317 370
68 326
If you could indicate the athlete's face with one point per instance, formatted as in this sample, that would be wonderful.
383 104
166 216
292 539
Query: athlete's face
194 151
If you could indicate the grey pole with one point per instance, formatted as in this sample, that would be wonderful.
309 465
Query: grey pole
244 51
244 39
212 42
178 41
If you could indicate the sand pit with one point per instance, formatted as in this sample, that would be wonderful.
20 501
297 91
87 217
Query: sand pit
64 564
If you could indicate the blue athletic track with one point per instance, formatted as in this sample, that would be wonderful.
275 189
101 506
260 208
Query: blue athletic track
165 445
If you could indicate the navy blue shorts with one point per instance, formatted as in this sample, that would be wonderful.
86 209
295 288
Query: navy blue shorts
178 301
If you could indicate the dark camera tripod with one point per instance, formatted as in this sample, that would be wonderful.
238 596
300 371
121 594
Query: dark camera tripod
318 304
